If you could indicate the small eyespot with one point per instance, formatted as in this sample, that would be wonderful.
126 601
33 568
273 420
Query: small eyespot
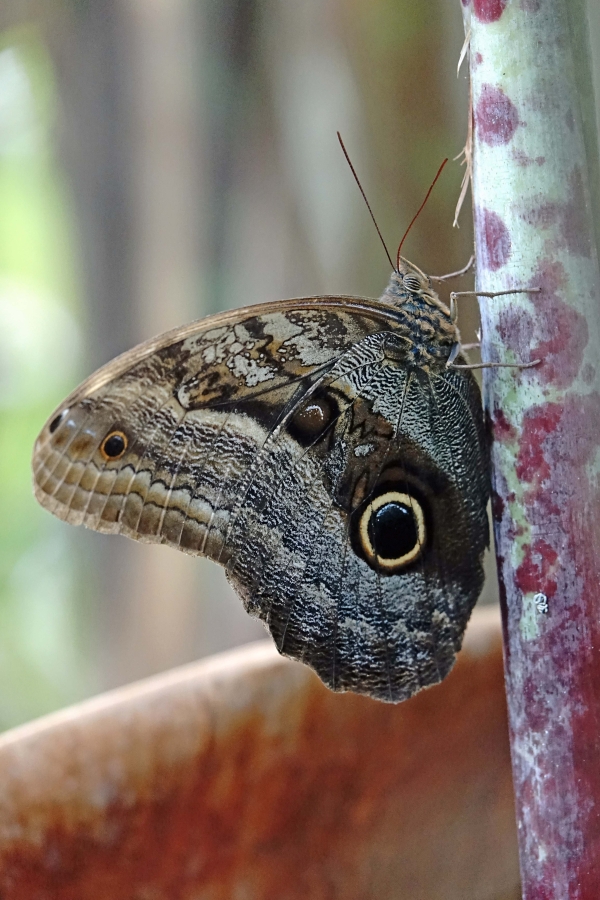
311 420
114 445
392 531
56 421
411 283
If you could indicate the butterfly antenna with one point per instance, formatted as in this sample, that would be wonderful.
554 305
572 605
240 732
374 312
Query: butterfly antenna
418 212
360 187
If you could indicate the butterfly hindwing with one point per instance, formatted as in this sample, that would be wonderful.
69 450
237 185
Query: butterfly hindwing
293 444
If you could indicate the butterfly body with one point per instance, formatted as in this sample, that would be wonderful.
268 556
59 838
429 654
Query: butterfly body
322 451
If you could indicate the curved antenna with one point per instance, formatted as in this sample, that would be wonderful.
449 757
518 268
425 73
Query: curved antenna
418 212
353 170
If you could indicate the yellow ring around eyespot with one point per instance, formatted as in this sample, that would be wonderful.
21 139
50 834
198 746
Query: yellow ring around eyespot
113 434
417 511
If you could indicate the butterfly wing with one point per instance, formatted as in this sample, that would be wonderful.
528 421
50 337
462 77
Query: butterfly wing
266 439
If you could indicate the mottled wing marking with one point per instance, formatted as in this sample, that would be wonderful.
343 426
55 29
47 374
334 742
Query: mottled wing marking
424 633
212 467
179 368
353 362
285 510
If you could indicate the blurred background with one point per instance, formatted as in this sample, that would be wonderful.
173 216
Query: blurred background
161 160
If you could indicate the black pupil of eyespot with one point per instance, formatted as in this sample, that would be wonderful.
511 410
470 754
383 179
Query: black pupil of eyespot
55 422
311 420
393 530
312 416
114 445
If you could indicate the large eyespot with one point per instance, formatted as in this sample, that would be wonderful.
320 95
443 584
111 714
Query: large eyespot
56 421
311 419
114 445
411 283
392 531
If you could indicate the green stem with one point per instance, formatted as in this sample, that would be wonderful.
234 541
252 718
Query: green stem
535 178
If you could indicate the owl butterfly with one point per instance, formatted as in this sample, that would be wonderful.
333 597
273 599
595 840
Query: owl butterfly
322 450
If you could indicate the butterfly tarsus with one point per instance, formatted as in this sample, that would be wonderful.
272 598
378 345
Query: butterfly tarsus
456 274
492 365
456 294
458 348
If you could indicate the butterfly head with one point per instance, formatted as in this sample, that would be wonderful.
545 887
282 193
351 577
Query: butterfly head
411 280
408 284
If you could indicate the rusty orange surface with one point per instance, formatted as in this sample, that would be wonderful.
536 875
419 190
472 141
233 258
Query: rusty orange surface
243 777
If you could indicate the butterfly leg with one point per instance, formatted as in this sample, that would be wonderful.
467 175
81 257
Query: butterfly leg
456 294
491 365
450 275
457 348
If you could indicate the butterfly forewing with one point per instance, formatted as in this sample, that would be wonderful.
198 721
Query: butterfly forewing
281 441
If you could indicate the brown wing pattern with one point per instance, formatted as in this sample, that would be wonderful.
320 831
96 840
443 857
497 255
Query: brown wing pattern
265 439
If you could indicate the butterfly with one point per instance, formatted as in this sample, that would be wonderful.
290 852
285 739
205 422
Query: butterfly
326 451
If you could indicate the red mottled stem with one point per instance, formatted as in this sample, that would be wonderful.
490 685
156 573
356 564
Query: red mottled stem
534 161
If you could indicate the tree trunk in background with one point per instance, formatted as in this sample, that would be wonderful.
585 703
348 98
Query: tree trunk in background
133 150
199 143
92 49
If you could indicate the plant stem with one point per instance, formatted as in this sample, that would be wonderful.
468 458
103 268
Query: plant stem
534 192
